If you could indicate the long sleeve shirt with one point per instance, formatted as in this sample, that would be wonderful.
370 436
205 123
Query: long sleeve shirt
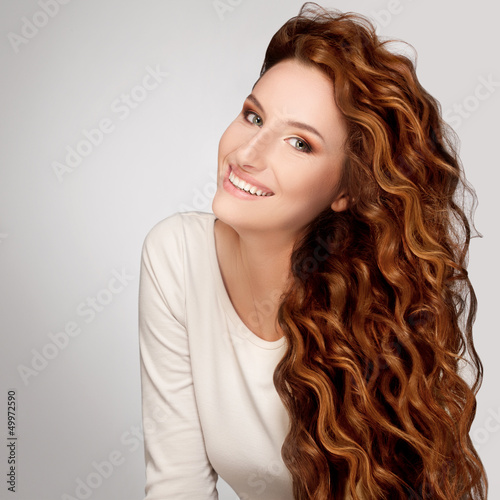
210 407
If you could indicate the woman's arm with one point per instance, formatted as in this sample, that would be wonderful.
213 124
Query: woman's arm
177 466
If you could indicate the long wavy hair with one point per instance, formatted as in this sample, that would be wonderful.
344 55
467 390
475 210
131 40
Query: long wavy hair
379 326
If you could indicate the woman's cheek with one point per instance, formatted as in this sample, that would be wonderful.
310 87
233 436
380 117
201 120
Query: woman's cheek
229 140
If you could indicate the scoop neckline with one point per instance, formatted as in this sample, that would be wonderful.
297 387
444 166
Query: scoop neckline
223 295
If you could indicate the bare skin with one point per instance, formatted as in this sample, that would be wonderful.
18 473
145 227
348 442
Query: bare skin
256 300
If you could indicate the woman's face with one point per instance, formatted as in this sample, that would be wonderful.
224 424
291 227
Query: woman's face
284 151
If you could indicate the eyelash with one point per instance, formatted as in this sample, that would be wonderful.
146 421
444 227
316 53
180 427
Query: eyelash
308 148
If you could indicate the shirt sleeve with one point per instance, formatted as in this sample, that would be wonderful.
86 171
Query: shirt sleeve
177 466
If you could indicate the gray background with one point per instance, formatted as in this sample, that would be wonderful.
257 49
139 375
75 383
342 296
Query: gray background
64 236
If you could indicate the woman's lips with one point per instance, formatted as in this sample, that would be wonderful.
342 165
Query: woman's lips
245 184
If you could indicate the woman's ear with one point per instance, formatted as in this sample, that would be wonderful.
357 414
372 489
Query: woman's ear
340 203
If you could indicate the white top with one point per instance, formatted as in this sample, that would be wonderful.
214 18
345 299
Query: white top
209 404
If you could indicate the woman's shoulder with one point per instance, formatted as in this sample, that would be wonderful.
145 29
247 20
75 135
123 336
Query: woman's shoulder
175 228
171 248
171 238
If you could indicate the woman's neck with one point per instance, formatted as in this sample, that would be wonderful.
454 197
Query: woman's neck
256 269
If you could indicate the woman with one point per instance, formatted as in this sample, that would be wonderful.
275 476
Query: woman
308 341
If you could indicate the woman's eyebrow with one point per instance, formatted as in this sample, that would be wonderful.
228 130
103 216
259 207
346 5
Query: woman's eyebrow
292 123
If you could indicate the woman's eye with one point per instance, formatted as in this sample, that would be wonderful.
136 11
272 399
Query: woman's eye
253 118
299 144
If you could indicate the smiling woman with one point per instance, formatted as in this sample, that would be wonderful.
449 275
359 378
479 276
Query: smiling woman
319 337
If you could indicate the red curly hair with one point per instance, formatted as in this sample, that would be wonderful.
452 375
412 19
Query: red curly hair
379 330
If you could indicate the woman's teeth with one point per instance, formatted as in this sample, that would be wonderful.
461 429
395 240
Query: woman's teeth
244 186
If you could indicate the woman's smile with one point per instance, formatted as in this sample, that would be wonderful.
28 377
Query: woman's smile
244 185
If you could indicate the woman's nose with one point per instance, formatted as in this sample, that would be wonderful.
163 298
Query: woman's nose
254 151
